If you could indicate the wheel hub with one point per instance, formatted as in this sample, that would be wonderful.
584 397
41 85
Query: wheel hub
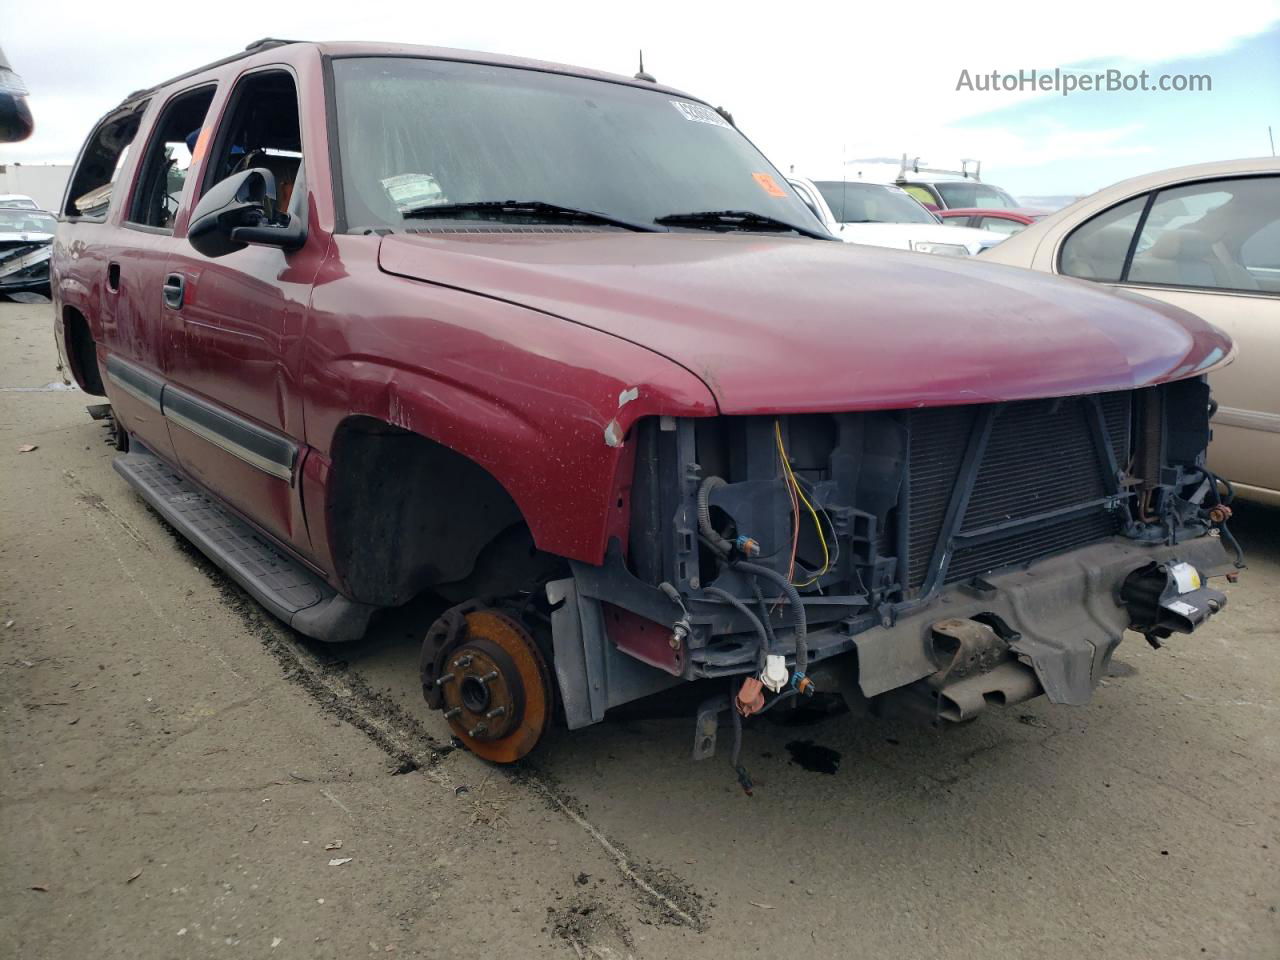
483 690
494 687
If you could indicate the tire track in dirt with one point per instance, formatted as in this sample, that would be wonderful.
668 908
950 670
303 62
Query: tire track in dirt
664 898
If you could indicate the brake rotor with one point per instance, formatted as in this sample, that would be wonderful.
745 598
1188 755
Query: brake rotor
494 687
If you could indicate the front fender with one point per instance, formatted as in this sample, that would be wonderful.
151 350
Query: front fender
544 405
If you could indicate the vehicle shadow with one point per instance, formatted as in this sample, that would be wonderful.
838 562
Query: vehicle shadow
1257 527
1023 800
889 756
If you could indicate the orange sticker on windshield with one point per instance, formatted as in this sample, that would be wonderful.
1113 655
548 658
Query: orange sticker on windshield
769 185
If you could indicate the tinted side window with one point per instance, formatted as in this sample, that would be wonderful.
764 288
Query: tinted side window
164 168
1097 249
1199 235
1260 254
100 163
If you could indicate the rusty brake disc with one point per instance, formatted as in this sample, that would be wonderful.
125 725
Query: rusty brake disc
487 674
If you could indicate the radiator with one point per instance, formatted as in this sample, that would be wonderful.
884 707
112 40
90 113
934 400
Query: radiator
1040 457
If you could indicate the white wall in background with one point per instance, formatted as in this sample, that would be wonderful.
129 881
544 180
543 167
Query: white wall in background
42 182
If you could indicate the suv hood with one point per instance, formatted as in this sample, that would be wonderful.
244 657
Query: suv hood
782 325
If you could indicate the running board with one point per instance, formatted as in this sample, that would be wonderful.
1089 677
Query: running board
285 587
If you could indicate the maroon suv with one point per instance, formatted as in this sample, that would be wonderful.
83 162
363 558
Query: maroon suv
564 349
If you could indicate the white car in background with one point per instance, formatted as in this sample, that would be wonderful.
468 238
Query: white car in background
19 200
26 241
1205 238
881 215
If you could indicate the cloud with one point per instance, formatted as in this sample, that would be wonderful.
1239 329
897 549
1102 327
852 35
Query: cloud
809 83
1049 142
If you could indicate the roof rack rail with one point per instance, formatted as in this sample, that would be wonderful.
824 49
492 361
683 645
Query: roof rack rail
257 46
964 173
266 43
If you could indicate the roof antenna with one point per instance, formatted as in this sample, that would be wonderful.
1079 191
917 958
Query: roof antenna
641 75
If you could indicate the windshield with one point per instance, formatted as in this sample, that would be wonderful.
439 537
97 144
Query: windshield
13 219
416 132
20 202
871 203
966 193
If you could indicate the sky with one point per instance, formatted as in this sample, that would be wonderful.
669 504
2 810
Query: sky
816 88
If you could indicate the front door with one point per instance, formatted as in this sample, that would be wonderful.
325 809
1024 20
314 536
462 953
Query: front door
234 334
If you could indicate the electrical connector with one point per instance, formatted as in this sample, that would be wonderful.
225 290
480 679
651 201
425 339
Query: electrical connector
803 684
774 675
749 698
747 546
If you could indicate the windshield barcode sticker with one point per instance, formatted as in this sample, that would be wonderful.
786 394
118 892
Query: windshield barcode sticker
700 113
410 190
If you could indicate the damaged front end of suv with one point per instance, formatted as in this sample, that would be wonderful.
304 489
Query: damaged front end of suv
932 560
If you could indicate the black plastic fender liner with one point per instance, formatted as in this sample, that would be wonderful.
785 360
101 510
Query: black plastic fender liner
592 673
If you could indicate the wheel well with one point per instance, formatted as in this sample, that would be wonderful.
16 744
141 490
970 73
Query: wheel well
408 513
82 352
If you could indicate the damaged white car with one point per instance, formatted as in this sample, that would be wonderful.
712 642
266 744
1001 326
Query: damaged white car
26 239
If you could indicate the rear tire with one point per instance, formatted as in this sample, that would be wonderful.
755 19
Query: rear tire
119 435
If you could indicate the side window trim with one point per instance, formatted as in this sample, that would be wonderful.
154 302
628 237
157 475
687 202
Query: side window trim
1137 235
1059 253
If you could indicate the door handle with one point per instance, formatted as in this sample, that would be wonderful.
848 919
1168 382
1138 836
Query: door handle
174 286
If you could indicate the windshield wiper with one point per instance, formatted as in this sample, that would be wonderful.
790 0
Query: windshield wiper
737 220
533 211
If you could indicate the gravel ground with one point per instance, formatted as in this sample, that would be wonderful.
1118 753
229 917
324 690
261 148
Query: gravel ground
179 771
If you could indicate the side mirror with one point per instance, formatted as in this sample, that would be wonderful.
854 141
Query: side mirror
15 114
241 210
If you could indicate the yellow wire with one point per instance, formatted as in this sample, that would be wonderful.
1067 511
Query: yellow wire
795 485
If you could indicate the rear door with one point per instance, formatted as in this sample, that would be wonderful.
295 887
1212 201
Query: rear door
233 334
104 264
136 274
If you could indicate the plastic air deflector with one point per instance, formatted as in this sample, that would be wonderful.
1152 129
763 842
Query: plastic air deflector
285 587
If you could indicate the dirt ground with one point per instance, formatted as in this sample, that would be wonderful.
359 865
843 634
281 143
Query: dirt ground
184 777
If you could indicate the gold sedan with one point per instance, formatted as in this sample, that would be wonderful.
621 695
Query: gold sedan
1205 238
